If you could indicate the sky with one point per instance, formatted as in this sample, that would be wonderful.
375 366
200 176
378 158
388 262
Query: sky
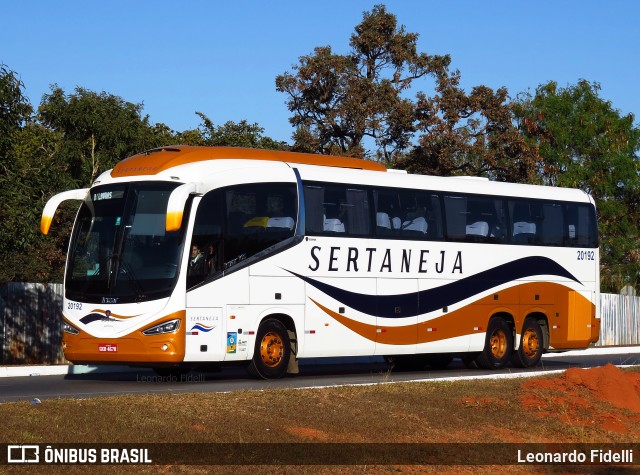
221 58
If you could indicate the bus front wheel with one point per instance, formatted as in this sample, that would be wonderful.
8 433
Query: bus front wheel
272 351
498 345
531 345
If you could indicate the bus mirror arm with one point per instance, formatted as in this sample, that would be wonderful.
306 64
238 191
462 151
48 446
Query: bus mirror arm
53 203
176 204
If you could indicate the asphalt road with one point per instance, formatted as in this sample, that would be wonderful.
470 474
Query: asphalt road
318 373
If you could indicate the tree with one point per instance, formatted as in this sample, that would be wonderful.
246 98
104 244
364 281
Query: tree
75 138
232 134
15 109
469 134
341 103
29 174
586 143
338 101
33 175
97 130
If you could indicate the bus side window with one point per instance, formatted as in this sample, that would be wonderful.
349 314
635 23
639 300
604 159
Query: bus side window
407 213
388 220
581 225
552 228
415 221
357 211
336 208
455 208
314 209
524 228
431 203
479 216
205 250
485 219
258 216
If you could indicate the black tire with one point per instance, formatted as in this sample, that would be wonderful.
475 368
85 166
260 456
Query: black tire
531 345
498 346
440 361
272 351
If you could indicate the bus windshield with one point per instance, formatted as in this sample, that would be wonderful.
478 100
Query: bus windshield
120 251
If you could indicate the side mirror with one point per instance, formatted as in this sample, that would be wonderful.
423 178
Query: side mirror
175 205
53 203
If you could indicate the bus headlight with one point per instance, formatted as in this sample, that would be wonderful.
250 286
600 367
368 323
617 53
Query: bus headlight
70 329
166 327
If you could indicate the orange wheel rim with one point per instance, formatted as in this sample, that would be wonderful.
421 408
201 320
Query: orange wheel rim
498 343
271 349
530 343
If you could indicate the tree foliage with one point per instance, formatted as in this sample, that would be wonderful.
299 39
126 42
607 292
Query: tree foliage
586 143
34 174
341 103
235 134
29 171
98 129
15 109
338 101
469 134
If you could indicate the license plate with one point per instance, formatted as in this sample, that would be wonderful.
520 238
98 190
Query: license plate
107 348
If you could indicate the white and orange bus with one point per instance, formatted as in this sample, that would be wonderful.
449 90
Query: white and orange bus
186 256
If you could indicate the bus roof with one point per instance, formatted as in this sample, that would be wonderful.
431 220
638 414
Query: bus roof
451 184
158 160
202 161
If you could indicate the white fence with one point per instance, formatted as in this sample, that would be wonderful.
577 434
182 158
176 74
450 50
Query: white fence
31 331
619 320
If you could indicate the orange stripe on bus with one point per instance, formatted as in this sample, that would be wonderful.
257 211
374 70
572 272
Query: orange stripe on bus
557 302
156 161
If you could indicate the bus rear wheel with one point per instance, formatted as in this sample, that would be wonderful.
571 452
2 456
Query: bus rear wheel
531 345
272 351
498 346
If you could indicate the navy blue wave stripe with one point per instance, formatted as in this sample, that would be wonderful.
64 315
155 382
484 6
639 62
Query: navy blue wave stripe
92 317
417 303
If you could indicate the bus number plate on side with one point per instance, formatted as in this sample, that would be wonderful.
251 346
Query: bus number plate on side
586 255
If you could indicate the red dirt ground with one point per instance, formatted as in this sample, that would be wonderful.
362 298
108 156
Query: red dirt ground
582 397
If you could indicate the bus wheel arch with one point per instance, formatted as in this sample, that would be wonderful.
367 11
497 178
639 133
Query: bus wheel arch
534 339
275 348
499 340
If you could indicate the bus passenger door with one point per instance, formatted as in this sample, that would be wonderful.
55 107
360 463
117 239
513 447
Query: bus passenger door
396 319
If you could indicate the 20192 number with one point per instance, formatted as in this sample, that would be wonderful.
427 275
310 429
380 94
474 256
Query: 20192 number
586 255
